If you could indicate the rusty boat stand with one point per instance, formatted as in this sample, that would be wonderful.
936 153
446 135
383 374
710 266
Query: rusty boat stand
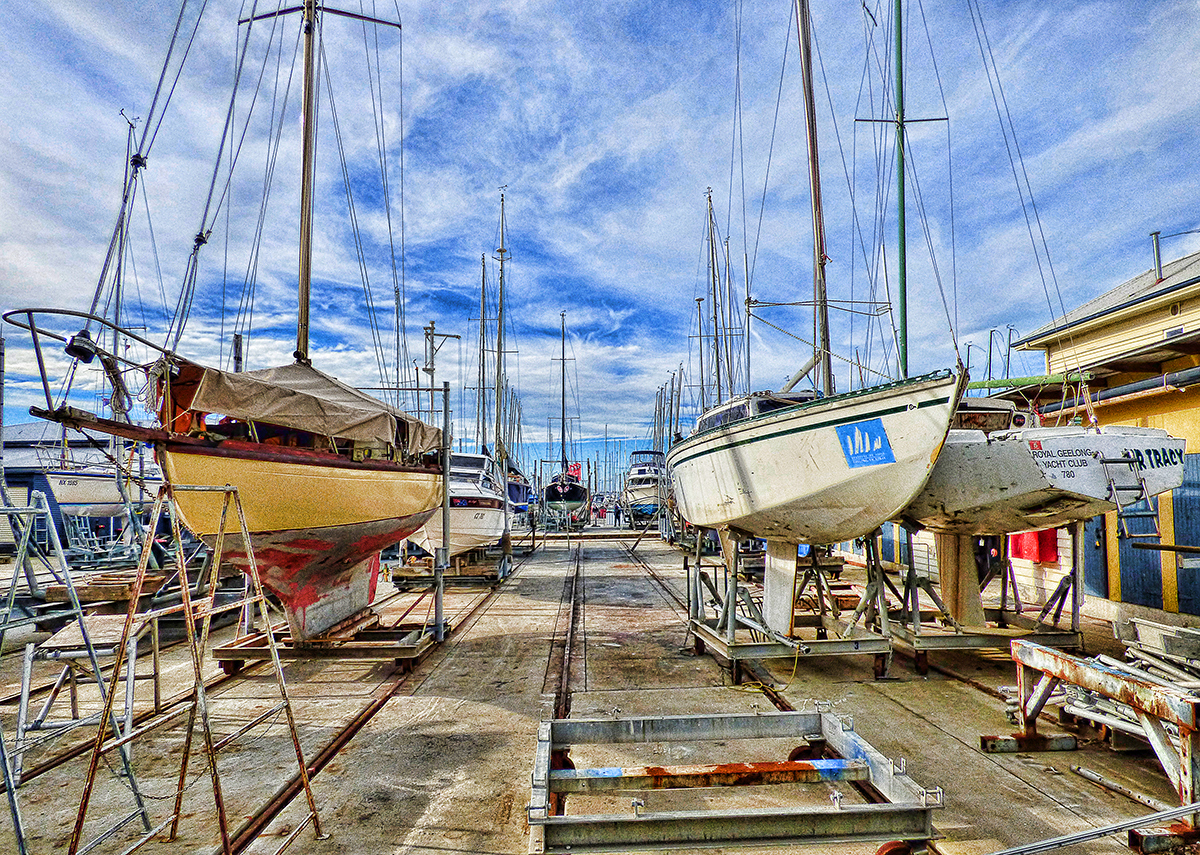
1168 715
905 813
194 612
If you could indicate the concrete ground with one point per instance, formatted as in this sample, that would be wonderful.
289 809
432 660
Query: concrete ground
444 767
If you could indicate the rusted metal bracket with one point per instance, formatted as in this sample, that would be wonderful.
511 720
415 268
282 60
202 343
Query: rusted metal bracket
1168 715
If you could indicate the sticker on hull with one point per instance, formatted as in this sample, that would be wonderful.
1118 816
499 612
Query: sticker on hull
865 443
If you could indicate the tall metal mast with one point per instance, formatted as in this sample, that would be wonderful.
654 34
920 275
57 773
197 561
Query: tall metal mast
901 261
820 297
307 177
499 451
714 262
700 333
480 397
563 423
501 254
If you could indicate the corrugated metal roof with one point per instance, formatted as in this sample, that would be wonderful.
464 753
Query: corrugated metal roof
47 433
1177 274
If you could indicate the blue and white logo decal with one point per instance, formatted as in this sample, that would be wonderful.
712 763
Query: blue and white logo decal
865 443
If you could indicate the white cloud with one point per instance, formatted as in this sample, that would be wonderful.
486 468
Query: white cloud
606 123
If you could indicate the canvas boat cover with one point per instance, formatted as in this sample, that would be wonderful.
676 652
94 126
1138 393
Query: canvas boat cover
299 396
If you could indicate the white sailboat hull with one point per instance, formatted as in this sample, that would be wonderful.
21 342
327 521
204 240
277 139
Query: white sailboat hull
643 499
821 472
470 528
94 493
1037 478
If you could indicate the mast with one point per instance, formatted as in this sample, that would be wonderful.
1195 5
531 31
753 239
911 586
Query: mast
499 453
715 266
700 350
901 261
500 255
480 398
563 423
307 177
820 297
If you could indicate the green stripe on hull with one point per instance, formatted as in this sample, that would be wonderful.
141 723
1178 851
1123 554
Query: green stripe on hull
858 417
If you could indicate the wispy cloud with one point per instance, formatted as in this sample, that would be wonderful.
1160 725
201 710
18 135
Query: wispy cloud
606 123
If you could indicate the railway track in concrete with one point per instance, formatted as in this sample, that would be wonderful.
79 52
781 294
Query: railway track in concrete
257 823
564 636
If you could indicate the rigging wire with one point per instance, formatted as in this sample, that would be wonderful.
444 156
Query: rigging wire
762 205
400 288
109 288
356 233
375 77
278 111
191 273
1017 165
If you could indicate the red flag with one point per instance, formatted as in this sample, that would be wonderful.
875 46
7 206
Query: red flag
573 470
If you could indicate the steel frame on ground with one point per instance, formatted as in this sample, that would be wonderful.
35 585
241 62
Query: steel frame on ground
1039 672
905 815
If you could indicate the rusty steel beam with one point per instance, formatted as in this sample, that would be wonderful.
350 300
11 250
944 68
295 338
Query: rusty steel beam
1153 702
717 775
1015 742
1163 702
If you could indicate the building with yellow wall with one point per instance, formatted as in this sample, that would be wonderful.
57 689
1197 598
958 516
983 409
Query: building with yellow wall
1139 347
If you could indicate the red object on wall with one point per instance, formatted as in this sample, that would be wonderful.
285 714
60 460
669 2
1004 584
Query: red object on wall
1037 546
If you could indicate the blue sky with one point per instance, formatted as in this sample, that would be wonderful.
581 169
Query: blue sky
607 122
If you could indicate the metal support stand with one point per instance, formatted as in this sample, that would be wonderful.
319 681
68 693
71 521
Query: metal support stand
78 646
744 630
193 612
442 559
25 578
923 630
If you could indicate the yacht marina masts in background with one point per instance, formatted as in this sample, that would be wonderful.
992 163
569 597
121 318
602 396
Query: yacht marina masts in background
327 475
482 484
566 498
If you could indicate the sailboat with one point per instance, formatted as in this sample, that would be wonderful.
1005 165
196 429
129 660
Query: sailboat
565 496
1000 472
479 486
645 484
821 468
327 475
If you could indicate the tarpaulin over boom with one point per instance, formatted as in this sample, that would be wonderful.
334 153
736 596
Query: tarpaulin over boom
301 397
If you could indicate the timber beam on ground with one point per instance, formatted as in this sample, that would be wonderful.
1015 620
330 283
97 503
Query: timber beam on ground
404 644
906 813
476 567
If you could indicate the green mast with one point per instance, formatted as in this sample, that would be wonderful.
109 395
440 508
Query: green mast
902 284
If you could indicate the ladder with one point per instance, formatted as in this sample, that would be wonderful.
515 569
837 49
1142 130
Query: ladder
1127 490
35 612
199 717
